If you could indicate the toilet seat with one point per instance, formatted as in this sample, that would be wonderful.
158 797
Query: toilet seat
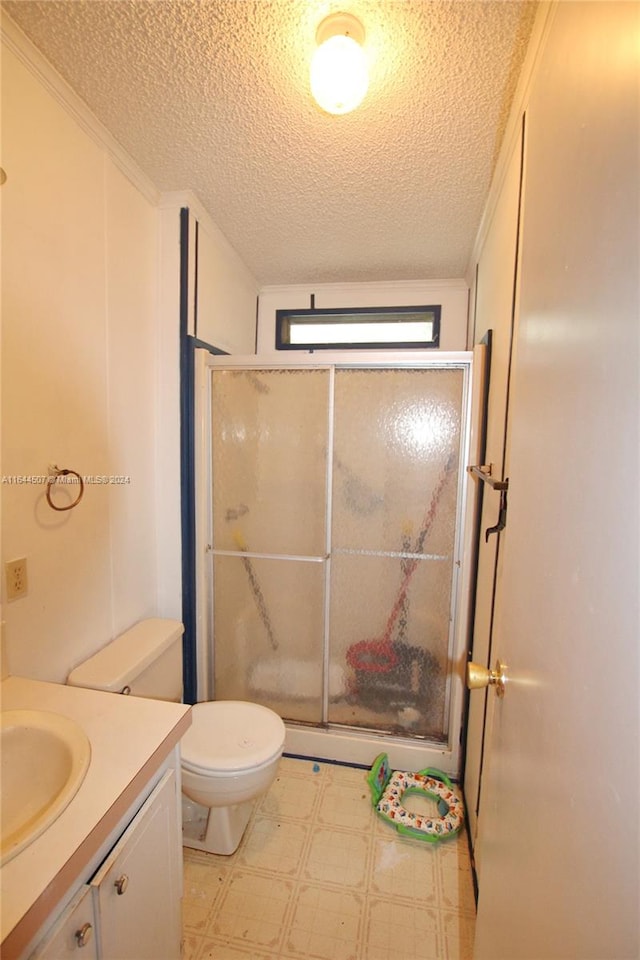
229 736
389 787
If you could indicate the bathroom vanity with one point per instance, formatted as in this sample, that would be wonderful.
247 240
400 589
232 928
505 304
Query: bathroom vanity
104 880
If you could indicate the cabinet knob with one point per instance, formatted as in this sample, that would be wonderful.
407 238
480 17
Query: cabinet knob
121 884
84 934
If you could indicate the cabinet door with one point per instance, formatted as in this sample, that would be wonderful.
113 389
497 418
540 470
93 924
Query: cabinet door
137 889
73 936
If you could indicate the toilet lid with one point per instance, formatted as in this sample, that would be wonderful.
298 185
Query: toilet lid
231 735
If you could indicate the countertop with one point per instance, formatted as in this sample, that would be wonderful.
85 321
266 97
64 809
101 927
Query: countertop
130 739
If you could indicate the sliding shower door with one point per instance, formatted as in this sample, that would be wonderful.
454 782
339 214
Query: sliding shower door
269 451
334 516
395 469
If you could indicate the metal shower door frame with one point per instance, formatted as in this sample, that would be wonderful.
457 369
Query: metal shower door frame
205 364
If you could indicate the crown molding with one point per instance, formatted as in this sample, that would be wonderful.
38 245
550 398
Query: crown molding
19 44
406 285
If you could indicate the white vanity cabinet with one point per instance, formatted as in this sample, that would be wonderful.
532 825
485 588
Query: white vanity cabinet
74 934
57 897
130 909
137 890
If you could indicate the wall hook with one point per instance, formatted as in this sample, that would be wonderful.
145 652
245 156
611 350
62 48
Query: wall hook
484 473
502 517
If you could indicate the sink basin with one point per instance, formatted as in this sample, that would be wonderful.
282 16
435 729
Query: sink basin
44 758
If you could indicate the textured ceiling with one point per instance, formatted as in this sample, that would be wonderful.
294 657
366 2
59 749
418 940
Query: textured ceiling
213 96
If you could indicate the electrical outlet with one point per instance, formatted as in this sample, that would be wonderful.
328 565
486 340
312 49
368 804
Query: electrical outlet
15 572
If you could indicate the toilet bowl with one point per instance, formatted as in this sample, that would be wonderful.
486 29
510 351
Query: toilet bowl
229 755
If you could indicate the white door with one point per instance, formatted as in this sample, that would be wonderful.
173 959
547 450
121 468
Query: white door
560 832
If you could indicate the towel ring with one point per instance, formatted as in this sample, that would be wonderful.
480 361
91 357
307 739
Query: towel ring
64 473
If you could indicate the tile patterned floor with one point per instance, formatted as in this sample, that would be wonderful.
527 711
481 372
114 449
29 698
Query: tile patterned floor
318 876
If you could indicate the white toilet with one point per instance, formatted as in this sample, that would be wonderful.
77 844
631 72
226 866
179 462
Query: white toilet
230 753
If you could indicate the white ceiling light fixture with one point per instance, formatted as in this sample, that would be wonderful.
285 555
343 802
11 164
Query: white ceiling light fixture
339 74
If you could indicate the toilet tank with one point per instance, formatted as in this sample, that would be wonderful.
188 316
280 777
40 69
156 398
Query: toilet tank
145 660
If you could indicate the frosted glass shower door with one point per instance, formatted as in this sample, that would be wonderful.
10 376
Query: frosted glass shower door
269 453
397 438
334 518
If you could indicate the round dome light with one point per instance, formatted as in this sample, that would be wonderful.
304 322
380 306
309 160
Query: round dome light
339 74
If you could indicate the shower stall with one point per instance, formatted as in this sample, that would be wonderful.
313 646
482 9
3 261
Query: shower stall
330 549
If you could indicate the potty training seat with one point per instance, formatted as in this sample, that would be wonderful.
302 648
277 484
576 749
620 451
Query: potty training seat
388 789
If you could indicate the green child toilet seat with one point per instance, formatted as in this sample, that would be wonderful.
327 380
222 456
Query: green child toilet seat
388 789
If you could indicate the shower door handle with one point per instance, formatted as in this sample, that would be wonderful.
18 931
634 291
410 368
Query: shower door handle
479 677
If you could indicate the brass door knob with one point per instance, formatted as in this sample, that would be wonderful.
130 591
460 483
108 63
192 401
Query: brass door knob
479 676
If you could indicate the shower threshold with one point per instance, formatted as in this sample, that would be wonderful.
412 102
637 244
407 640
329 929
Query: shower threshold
360 747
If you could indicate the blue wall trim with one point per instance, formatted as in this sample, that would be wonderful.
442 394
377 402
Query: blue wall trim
203 345
187 461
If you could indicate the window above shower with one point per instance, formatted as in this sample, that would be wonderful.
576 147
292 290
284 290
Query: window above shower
303 320
359 328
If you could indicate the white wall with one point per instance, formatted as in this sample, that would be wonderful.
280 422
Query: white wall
227 292
131 246
451 294
167 462
79 270
223 314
